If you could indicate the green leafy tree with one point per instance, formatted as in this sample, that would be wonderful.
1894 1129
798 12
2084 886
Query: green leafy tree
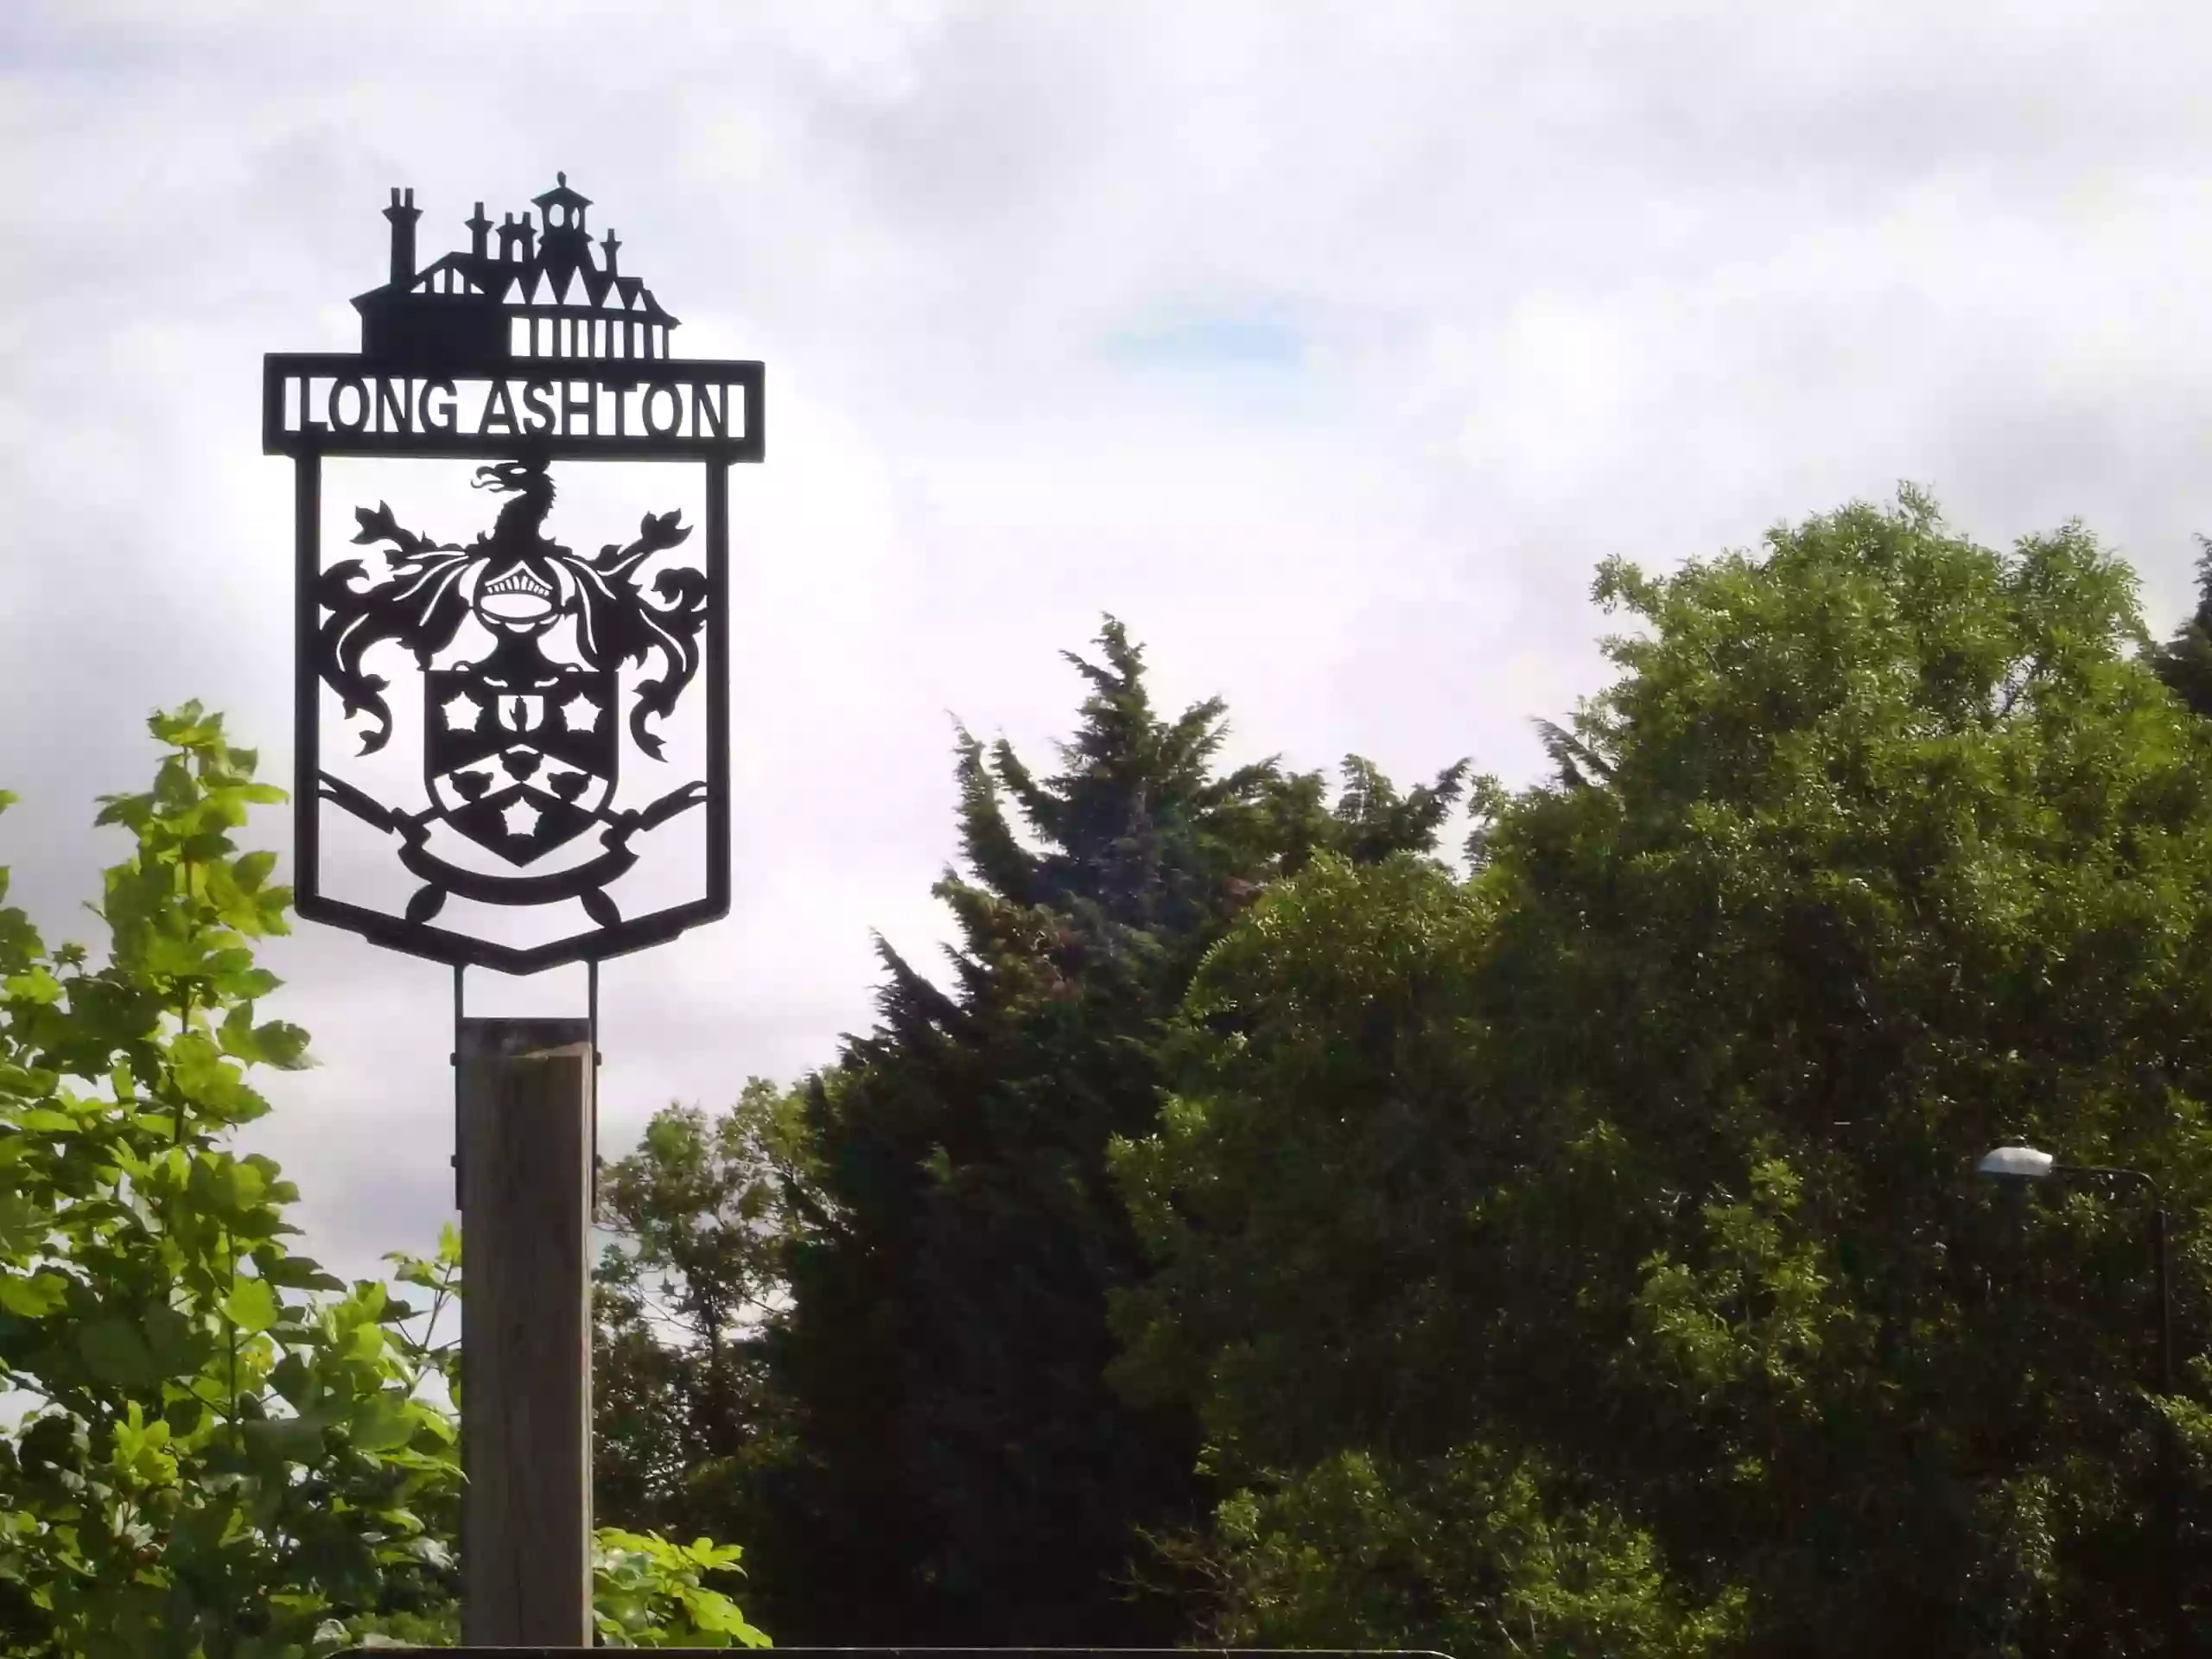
1315 1192
231 1451
1902 852
958 1470
650 1592
1482 1550
1641 1162
686 1422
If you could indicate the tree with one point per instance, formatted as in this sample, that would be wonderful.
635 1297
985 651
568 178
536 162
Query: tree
232 1453
686 1423
1902 854
2184 661
1633 1175
959 1471
1316 1193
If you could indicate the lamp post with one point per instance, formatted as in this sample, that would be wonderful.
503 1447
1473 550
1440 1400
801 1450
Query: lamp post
2027 1164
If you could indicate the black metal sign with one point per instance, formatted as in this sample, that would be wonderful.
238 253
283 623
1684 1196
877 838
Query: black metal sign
545 675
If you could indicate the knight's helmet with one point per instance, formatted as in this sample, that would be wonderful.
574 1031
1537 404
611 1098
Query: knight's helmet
520 591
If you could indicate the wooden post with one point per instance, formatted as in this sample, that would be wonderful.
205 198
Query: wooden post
525 1099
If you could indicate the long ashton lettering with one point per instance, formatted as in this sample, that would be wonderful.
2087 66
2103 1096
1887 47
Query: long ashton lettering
393 407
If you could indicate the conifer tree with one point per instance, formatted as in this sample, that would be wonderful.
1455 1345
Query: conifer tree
962 1472
2184 662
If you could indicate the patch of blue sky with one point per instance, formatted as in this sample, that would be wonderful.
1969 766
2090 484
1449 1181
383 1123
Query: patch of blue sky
44 41
1241 365
1232 343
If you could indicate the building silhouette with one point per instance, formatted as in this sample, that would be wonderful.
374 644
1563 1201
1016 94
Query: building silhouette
538 299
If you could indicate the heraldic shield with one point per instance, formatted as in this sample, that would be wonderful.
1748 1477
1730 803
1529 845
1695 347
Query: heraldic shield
520 769
523 646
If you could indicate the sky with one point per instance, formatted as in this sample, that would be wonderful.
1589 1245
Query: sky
1330 347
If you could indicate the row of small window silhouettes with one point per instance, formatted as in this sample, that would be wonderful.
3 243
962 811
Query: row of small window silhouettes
586 337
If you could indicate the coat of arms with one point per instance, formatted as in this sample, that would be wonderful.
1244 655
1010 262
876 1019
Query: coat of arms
520 641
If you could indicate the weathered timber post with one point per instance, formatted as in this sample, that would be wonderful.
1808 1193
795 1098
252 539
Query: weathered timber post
525 1133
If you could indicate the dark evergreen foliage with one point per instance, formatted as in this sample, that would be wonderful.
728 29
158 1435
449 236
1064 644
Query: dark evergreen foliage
2184 662
960 1471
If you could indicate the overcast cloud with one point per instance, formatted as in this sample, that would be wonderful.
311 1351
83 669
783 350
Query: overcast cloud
1329 345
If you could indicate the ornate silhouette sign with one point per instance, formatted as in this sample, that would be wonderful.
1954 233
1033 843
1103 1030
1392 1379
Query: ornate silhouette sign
544 674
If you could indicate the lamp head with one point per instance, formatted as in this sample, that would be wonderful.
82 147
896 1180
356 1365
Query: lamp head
2017 1164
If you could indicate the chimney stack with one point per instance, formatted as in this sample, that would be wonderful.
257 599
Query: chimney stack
526 235
403 215
610 246
478 226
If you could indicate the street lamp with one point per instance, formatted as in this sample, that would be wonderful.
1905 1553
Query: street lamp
2027 1164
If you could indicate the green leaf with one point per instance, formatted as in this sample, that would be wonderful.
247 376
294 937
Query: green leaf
45 1119
296 1272
237 1034
34 1297
23 1224
116 1353
36 986
282 1046
382 1422
251 1305
298 1437
412 1270
208 1079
